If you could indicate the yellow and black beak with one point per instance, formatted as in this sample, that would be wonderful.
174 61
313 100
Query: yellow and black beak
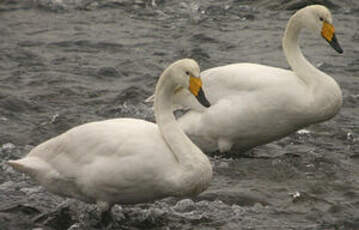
328 33
195 87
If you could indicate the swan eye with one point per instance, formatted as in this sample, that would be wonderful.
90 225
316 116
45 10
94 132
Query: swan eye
321 18
187 73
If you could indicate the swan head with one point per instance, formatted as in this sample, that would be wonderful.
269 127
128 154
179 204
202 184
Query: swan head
319 20
187 76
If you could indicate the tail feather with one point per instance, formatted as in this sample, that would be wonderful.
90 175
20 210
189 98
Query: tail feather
30 165
16 165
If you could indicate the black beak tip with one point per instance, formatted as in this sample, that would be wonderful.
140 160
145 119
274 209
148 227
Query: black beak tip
206 104
202 99
335 44
340 51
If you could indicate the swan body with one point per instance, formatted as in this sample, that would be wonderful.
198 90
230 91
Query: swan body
254 104
126 161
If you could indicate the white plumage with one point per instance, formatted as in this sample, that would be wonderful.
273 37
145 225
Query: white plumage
126 161
254 104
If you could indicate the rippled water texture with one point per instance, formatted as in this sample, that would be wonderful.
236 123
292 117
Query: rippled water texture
67 62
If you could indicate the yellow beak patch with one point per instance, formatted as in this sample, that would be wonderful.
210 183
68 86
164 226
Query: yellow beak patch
195 84
328 31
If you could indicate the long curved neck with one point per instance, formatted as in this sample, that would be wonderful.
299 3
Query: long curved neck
299 64
196 165
325 92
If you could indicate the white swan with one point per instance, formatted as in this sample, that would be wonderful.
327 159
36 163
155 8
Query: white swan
126 161
254 104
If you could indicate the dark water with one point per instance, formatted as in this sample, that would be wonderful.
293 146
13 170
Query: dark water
64 63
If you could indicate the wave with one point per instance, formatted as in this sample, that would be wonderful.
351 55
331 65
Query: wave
193 7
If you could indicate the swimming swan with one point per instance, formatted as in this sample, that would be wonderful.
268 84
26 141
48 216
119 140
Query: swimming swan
254 104
126 161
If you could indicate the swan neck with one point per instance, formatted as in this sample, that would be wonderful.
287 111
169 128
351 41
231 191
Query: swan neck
165 118
180 145
299 64
194 162
325 92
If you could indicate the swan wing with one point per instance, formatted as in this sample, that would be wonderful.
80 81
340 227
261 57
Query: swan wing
119 160
233 80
